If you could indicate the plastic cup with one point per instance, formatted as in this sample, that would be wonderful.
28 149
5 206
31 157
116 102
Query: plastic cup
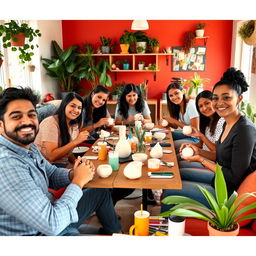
113 160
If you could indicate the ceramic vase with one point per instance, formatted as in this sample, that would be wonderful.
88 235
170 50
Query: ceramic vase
123 146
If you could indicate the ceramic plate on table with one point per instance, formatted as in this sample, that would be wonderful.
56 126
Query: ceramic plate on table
79 150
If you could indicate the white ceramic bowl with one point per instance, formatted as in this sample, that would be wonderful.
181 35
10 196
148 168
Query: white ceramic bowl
149 126
159 135
142 157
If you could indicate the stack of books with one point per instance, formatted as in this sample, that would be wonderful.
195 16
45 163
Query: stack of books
158 225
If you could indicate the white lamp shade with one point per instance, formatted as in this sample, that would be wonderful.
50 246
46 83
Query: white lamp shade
140 25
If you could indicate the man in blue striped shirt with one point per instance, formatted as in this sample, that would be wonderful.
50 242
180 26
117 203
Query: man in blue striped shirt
26 206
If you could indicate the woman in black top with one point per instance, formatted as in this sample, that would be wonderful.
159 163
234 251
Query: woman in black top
236 148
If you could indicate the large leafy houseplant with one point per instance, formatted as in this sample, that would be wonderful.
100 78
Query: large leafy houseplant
248 32
223 213
249 110
9 31
65 66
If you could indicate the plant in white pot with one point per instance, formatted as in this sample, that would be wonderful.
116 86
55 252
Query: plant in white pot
141 65
200 29
223 214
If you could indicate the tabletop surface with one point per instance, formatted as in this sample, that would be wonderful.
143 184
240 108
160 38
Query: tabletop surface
118 180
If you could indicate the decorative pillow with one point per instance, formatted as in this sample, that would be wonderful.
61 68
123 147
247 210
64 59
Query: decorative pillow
247 186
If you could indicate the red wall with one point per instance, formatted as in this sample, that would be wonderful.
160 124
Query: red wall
169 33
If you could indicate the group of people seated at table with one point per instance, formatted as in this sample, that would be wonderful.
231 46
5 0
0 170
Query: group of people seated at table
220 134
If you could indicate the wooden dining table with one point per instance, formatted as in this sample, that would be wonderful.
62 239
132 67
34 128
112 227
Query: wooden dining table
118 180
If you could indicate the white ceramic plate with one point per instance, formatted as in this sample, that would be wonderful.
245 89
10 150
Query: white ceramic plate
78 150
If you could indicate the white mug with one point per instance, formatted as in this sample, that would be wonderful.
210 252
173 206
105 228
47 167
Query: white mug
176 226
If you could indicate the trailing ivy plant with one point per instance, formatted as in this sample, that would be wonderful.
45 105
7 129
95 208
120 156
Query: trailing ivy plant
9 31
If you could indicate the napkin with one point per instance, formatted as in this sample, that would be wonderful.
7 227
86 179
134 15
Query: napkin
163 144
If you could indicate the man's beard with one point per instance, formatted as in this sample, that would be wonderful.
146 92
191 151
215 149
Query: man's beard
26 139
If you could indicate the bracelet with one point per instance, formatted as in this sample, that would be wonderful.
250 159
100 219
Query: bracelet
203 162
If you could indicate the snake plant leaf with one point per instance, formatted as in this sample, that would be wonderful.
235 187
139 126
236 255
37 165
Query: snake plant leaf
220 186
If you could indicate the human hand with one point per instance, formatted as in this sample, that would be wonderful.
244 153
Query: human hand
194 158
83 172
195 132
82 136
103 121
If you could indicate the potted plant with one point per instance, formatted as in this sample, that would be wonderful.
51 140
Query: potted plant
94 72
126 64
105 44
65 66
195 84
248 32
141 65
140 134
152 67
126 40
189 41
200 29
14 34
1 59
141 41
249 110
154 45
116 92
222 215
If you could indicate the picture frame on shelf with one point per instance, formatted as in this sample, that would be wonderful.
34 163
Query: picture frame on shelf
194 60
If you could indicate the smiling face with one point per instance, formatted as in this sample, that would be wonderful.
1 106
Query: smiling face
205 107
99 99
175 96
20 123
131 98
73 109
225 101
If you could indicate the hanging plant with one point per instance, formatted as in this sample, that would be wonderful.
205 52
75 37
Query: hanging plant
11 31
189 41
248 32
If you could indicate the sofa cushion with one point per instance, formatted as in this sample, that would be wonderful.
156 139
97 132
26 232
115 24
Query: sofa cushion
247 186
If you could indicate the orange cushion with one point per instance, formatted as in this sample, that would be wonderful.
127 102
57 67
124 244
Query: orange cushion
247 186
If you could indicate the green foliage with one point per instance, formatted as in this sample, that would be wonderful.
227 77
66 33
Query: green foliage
1 88
152 67
125 61
153 42
195 82
118 88
127 38
1 55
222 212
66 66
140 134
105 41
140 49
141 62
140 36
246 30
249 110
200 25
9 30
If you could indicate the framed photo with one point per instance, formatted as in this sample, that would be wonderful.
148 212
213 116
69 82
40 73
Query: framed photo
194 60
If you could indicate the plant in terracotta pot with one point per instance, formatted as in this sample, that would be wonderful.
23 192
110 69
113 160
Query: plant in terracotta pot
248 32
14 35
154 45
223 214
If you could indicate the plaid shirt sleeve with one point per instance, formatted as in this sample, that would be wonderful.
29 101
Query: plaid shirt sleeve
24 197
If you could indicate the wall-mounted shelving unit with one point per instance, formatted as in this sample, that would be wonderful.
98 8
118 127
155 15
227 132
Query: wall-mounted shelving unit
134 59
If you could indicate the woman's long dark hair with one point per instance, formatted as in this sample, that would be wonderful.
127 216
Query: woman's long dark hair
97 113
174 109
64 133
123 104
204 120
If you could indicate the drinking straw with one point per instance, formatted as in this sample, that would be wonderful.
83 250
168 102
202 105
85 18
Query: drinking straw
141 209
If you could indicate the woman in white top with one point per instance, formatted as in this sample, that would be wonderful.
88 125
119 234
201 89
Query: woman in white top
182 112
210 127
130 104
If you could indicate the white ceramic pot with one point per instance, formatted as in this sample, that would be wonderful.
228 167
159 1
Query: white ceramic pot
133 170
156 151
104 170
199 32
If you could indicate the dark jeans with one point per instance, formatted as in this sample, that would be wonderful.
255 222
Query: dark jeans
120 193
95 200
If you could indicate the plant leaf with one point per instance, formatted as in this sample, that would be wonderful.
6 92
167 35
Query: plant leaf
220 186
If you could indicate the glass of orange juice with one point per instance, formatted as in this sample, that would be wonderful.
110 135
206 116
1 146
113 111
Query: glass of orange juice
148 137
153 164
102 152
